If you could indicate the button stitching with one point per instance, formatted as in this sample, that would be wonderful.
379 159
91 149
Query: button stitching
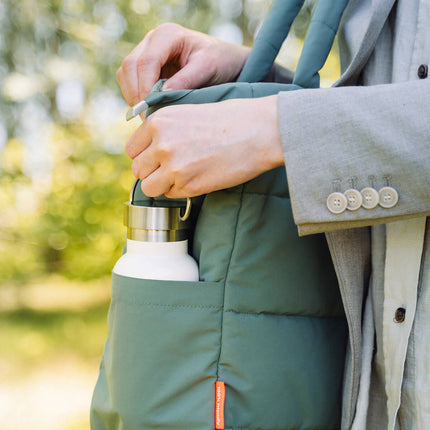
354 199
336 203
370 198
388 197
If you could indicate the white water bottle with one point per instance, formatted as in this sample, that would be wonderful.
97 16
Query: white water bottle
157 245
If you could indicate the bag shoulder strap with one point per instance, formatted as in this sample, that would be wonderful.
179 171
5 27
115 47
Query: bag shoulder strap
318 42
272 34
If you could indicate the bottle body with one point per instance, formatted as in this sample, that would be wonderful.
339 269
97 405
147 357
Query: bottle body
167 261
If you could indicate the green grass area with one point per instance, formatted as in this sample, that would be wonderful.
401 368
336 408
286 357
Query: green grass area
30 337
52 337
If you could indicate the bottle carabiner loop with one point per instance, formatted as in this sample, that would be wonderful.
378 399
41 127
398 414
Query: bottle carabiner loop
185 216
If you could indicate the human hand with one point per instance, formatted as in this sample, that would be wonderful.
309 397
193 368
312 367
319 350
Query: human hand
190 150
188 59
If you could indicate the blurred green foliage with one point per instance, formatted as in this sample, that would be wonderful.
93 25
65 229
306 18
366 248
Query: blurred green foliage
63 173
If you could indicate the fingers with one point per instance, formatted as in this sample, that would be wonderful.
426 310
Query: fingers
142 68
146 160
139 149
188 59
156 184
144 164
164 44
127 74
139 140
193 75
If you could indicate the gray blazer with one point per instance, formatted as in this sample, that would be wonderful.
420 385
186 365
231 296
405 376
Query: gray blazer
357 130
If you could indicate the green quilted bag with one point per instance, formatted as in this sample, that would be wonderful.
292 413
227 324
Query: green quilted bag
259 342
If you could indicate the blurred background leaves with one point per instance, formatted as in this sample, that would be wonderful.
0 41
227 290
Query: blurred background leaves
63 173
64 177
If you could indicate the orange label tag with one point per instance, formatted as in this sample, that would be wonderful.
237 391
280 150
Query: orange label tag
219 404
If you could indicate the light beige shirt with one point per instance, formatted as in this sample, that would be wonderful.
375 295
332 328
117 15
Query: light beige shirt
395 379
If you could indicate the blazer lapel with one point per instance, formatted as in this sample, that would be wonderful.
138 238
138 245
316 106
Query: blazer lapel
374 21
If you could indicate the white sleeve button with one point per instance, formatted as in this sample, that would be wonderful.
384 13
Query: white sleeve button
388 197
370 198
354 199
337 203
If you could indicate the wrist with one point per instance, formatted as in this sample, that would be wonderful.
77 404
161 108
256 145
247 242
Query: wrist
272 152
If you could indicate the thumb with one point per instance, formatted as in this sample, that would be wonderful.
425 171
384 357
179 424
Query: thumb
189 77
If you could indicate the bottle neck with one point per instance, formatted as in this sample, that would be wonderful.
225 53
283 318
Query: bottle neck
150 235
154 248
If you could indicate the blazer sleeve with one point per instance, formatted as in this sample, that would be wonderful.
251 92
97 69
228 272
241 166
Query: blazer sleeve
335 139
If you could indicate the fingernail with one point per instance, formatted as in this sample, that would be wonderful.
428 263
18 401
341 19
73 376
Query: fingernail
165 87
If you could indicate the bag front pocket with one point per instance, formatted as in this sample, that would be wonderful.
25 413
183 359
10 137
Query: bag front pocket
159 363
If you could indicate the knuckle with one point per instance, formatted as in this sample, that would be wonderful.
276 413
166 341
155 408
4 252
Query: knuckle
135 168
176 172
149 58
149 35
128 64
185 82
129 149
210 66
190 189
169 27
165 151
179 172
211 61
154 123
119 73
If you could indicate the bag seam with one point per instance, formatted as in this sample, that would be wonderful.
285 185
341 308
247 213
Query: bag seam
255 193
165 305
225 280
320 21
282 315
